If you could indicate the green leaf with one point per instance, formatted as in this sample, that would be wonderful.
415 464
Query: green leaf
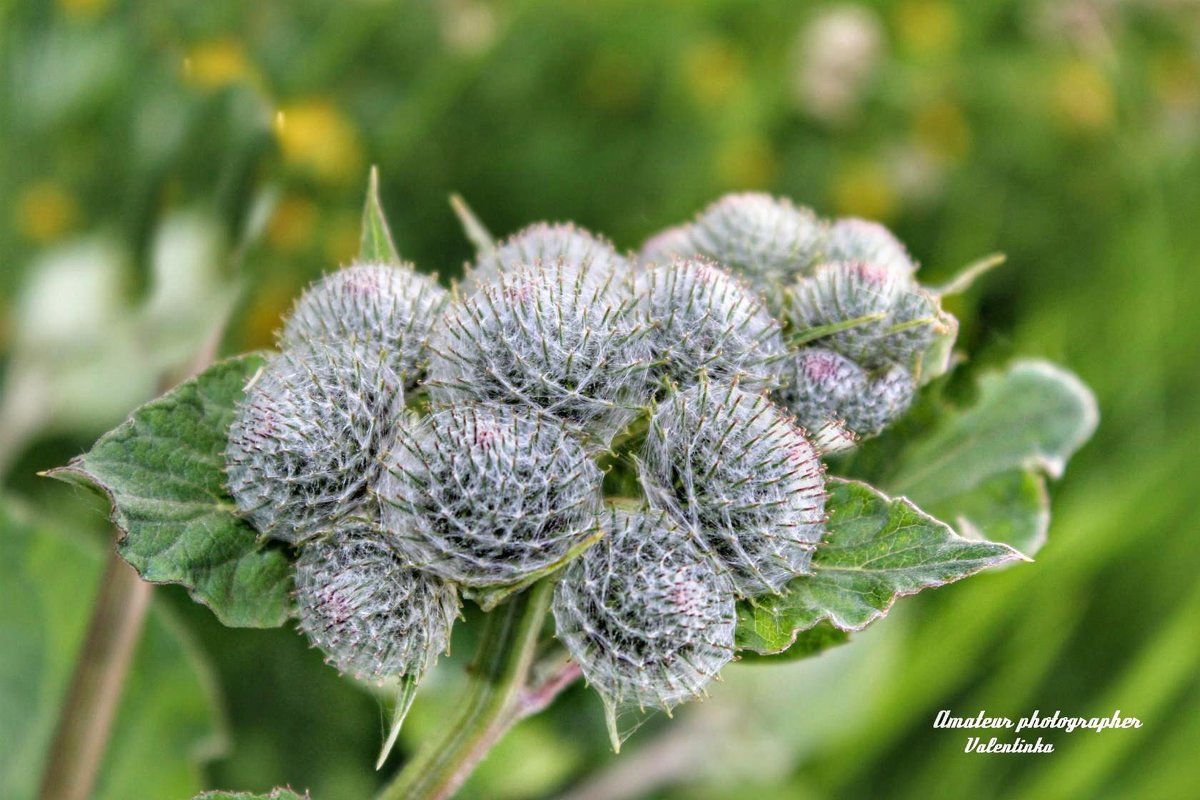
169 718
377 244
475 231
875 550
982 467
163 472
277 793
756 645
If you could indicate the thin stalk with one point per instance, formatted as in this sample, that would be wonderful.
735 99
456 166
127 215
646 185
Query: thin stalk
95 692
118 616
496 698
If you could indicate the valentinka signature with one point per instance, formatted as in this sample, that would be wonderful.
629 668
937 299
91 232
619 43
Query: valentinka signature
1035 721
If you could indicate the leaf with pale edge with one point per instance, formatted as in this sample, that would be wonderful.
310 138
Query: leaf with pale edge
875 550
759 649
983 468
163 471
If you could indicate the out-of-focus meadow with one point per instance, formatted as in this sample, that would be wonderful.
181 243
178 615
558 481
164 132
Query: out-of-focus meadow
167 165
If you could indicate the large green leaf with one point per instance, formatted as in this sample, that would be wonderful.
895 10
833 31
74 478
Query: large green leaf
168 718
163 472
984 467
875 550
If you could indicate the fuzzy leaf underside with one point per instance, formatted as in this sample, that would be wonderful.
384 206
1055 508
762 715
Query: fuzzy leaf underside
984 467
163 472
876 549
762 647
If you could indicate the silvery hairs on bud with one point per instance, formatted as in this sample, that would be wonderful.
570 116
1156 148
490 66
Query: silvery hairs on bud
546 339
389 308
699 318
853 239
545 243
765 239
371 615
844 291
823 388
648 617
488 496
304 443
731 466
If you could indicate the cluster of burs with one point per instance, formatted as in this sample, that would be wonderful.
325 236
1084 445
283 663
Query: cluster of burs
417 444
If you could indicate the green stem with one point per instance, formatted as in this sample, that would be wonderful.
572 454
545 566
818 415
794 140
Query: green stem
495 700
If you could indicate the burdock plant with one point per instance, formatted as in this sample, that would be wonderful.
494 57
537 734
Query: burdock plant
736 442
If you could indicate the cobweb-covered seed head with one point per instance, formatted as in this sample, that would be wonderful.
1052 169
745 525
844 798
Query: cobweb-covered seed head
371 615
488 496
766 239
824 388
732 466
853 239
648 617
544 339
304 443
386 308
841 292
544 244
700 319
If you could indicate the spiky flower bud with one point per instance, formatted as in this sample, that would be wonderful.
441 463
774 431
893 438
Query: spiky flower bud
700 319
845 291
486 496
732 466
766 239
384 308
304 443
371 615
824 388
544 244
544 338
647 617
853 239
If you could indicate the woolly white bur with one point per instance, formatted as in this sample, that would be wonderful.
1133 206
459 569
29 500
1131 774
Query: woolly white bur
386 309
766 239
546 339
731 466
545 244
848 290
489 497
369 612
853 239
647 617
304 444
700 319
372 615
826 391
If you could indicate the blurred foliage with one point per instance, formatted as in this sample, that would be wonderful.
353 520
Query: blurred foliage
154 155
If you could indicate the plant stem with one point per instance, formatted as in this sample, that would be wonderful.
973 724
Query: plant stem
496 698
95 692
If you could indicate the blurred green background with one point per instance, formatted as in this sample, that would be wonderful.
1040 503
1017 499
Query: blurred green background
165 165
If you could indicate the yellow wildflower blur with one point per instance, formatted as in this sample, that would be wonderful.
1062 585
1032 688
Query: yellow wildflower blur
317 138
45 211
746 162
928 27
712 72
219 62
1082 97
864 189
